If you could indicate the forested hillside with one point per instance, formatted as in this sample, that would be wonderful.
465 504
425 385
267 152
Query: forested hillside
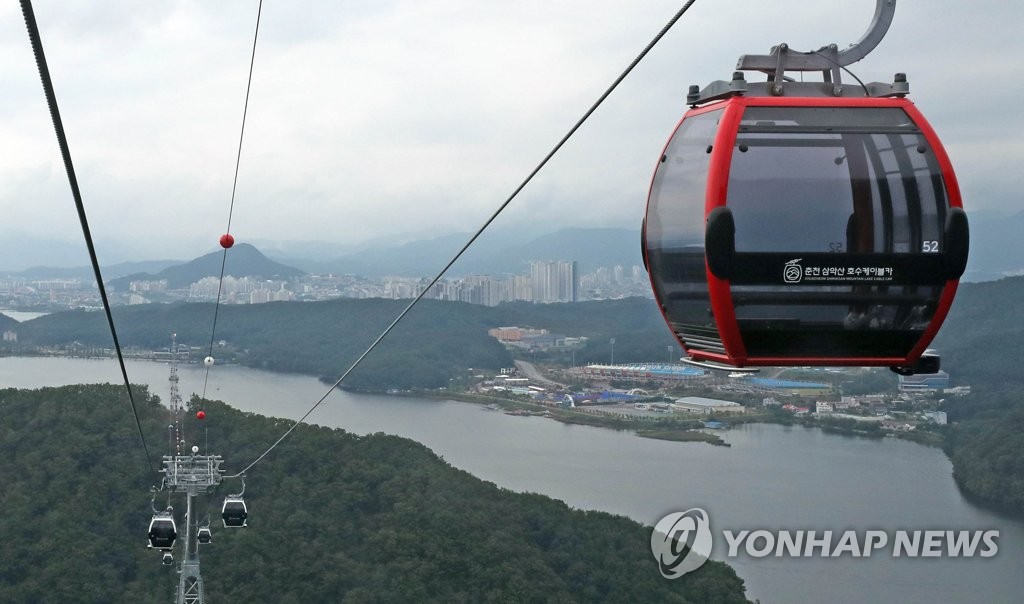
436 342
640 332
333 518
983 337
982 344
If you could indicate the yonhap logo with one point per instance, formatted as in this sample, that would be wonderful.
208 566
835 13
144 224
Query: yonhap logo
856 544
681 542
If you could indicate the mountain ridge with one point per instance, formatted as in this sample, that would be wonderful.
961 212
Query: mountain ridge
590 247
243 261
489 254
995 253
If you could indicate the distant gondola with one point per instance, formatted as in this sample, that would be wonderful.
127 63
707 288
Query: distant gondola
162 531
234 512
204 535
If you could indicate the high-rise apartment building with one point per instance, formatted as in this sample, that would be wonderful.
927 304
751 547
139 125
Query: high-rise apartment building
554 281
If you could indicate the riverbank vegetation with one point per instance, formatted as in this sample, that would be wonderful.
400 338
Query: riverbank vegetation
684 436
332 517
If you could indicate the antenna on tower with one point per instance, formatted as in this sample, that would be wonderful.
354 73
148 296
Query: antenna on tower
175 400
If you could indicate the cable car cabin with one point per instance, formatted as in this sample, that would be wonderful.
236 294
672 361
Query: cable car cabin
805 231
162 531
234 512
204 535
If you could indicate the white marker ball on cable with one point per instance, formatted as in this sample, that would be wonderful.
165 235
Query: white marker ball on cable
208 361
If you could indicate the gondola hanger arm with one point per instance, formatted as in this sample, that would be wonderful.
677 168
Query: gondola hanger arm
828 57
828 60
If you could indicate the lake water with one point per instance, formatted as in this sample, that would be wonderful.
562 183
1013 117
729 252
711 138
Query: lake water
772 477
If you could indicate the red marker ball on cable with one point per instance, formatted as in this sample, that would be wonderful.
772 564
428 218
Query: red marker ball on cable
201 415
226 240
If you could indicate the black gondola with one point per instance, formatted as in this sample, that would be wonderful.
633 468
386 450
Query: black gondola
234 512
204 535
162 531
793 223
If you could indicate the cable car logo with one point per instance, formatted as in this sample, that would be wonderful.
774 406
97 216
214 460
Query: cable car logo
792 272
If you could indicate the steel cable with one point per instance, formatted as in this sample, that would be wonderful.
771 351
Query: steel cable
479 231
65 151
234 188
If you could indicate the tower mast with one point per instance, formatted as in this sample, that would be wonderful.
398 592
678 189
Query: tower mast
190 474
175 399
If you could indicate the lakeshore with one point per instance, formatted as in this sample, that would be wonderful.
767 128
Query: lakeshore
663 426
666 429
685 429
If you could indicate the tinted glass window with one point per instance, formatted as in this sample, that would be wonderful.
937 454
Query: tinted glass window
675 211
834 180
675 230
842 180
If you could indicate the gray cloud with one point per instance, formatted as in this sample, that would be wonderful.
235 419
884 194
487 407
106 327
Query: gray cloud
386 118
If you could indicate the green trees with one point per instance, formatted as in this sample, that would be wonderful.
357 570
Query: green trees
333 517
436 342
981 344
987 447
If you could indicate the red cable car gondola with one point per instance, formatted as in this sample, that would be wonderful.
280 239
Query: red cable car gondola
793 223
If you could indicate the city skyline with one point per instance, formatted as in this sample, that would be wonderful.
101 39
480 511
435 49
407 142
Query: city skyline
548 282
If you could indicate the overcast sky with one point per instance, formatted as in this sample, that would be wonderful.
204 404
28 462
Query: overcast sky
397 118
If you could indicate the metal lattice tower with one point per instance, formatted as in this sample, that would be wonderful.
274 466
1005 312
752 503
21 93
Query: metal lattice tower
177 435
191 474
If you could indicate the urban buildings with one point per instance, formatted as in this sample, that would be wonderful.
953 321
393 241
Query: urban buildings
546 282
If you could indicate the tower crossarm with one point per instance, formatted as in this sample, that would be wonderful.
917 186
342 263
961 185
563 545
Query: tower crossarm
196 473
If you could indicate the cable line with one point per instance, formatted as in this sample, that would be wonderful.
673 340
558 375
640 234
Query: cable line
65 151
844 68
479 231
226 241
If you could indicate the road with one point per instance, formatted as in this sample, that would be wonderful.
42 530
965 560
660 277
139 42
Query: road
530 371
